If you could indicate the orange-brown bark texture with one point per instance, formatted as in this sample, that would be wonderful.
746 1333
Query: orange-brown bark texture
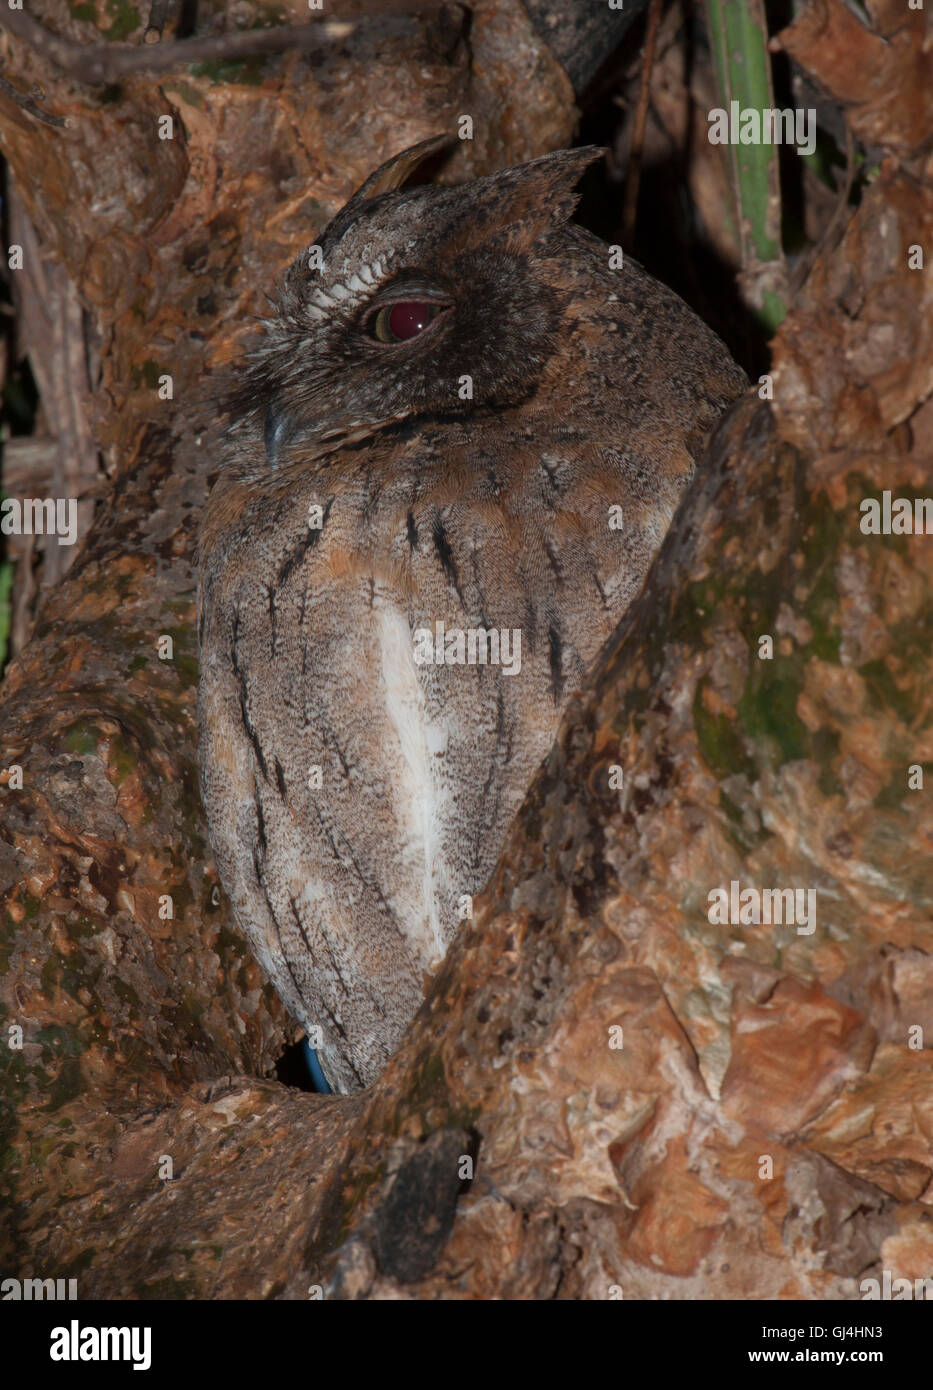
605 1094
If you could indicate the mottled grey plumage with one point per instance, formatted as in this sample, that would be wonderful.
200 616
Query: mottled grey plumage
592 388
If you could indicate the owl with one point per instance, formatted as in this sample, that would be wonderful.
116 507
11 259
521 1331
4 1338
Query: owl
448 464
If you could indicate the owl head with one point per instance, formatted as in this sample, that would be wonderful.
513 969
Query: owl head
425 301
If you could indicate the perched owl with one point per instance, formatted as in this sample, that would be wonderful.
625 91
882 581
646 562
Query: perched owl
448 467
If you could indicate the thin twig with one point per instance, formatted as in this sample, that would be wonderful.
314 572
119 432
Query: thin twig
159 11
101 64
29 104
633 176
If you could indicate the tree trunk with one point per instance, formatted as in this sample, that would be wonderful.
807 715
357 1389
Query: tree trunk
606 1089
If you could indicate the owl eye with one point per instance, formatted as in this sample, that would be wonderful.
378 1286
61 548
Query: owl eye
396 323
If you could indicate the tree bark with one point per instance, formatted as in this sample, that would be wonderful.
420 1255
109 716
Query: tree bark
604 1091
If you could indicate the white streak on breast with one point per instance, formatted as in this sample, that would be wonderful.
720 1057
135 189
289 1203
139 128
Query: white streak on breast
417 797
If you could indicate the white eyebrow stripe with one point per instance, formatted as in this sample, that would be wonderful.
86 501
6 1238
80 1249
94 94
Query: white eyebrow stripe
321 301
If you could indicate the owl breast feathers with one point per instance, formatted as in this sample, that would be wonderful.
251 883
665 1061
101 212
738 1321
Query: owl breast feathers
448 467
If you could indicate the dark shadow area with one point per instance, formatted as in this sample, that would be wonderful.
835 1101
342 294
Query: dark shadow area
669 237
19 403
292 1070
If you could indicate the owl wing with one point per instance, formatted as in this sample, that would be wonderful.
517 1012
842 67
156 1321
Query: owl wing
318 768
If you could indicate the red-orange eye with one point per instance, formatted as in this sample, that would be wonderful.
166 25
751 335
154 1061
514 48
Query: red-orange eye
396 323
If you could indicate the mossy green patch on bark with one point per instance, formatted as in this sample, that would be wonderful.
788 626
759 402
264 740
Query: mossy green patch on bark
81 738
187 668
124 20
242 72
721 746
188 94
429 1091
123 758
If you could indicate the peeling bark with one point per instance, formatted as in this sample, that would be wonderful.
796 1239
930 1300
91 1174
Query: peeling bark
511 1150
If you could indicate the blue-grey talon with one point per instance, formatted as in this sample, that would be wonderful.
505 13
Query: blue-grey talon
315 1070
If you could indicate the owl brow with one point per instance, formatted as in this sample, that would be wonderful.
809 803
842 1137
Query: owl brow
321 303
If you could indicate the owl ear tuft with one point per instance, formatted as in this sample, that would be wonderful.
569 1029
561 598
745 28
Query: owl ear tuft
538 197
391 175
